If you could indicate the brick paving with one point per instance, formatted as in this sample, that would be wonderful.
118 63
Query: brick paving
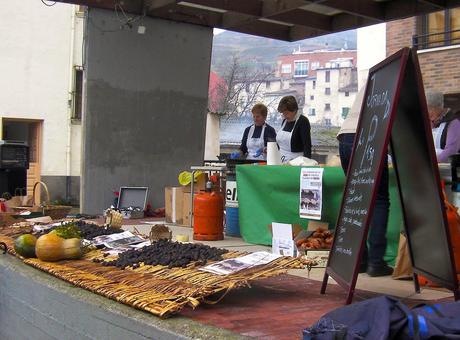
273 308
277 308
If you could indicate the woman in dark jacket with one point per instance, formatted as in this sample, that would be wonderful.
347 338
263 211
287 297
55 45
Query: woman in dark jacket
294 137
256 136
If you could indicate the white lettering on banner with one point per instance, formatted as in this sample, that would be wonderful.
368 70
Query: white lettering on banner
231 195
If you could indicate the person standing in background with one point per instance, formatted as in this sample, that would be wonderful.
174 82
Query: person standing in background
294 137
372 261
445 125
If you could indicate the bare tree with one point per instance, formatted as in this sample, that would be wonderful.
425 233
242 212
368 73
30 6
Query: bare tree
243 88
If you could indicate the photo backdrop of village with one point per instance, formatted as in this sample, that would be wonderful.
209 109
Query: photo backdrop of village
320 72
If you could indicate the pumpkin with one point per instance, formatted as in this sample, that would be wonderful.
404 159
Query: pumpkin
51 247
71 248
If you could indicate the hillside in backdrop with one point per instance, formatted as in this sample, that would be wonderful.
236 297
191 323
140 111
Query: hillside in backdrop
256 51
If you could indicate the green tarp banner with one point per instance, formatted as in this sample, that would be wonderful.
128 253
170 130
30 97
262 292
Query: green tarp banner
269 194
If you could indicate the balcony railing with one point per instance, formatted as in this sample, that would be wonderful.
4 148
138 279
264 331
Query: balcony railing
432 40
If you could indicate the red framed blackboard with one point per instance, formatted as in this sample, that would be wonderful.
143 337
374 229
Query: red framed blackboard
394 112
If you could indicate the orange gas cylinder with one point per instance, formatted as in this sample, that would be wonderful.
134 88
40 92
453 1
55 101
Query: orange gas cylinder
208 216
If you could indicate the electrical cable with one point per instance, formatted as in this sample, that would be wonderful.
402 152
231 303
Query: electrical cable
49 5
127 21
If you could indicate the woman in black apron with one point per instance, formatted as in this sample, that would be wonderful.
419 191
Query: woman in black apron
256 136
294 137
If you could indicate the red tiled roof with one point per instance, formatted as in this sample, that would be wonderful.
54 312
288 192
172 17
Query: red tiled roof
315 56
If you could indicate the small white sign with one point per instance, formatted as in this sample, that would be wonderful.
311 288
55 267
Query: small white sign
282 242
311 193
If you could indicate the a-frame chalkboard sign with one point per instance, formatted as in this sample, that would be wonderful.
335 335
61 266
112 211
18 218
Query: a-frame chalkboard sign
394 111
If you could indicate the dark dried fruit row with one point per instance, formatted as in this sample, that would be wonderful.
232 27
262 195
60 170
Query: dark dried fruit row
88 230
167 253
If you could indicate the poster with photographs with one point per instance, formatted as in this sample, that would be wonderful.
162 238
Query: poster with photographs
234 265
311 193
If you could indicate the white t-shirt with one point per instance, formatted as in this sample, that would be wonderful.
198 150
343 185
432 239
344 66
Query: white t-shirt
351 122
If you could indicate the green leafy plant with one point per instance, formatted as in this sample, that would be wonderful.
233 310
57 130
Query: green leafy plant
68 230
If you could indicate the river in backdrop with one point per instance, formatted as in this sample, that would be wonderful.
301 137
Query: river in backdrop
231 132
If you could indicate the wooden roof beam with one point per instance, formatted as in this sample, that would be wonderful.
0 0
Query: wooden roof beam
394 8
265 29
248 7
345 21
302 32
256 8
315 21
276 7
362 8
153 5
439 4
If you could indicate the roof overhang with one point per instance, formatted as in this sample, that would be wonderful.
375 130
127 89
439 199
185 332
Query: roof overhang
288 20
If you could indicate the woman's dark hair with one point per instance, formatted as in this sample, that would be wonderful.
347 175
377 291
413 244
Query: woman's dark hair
288 103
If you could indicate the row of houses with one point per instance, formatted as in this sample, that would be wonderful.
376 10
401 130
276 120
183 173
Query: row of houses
324 82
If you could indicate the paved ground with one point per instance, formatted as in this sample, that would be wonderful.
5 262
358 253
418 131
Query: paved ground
279 308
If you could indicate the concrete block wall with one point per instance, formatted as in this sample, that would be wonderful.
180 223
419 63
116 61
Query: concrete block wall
145 106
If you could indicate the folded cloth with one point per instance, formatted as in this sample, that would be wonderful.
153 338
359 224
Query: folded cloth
303 161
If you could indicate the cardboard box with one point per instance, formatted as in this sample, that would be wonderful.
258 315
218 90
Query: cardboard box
319 255
199 185
174 204
283 238
186 208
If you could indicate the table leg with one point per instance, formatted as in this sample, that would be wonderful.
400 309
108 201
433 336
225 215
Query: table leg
192 191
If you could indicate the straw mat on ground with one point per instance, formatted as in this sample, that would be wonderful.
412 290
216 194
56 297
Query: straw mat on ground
155 289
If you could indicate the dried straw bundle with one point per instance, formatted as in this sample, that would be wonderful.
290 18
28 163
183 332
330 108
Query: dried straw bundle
155 289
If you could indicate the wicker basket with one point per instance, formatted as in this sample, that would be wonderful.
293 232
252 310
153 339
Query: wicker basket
114 218
56 212
158 232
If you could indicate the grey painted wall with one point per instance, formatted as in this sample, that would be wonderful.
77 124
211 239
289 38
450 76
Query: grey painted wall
57 186
145 106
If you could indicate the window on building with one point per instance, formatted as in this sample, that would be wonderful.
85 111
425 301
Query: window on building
345 111
328 76
439 29
314 84
311 112
347 94
327 90
300 68
267 85
327 121
286 68
315 65
312 97
327 107
77 93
